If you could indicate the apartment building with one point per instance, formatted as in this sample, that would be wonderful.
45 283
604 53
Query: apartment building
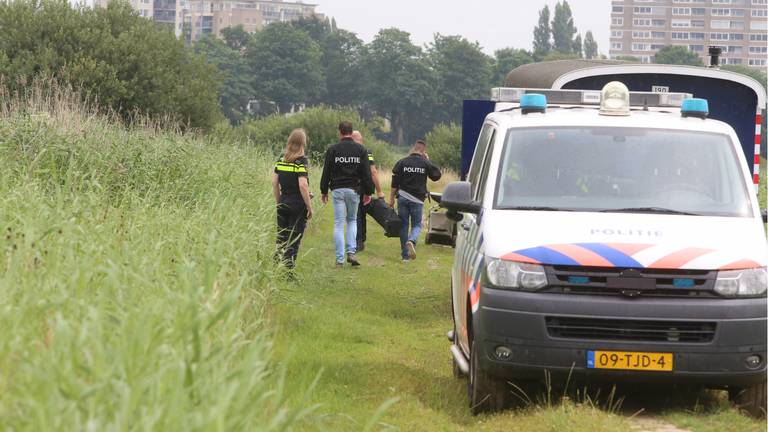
639 28
192 19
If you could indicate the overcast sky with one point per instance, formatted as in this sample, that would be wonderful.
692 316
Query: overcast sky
493 23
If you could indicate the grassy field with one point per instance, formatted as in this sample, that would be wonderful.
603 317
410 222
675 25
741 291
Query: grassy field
374 338
137 292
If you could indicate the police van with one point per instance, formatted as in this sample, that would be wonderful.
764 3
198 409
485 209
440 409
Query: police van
607 236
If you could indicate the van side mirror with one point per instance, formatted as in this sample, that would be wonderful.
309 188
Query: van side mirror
457 197
765 215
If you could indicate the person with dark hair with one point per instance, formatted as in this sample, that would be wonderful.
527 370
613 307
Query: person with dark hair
363 208
409 185
290 186
347 173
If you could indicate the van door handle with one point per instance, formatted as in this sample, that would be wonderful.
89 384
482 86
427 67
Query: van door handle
465 226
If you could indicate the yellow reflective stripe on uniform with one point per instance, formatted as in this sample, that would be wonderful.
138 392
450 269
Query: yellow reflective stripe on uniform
290 167
370 157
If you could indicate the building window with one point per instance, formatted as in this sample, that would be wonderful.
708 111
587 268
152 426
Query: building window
760 2
758 50
641 47
698 11
721 12
737 12
721 1
659 23
733 61
697 23
618 9
735 49
696 48
718 36
759 13
643 10
757 62
736 36
681 11
617 33
617 21
676 23
641 35
641 22
720 24
697 36
658 35
680 35
616 45
758 25
758 37
656 47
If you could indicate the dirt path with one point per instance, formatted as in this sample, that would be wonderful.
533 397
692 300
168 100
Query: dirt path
650 424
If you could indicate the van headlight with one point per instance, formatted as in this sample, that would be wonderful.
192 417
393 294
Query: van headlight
742 283
515 275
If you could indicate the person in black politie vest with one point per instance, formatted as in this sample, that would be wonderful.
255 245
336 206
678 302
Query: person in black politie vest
290 185
363 208
347 174
409 184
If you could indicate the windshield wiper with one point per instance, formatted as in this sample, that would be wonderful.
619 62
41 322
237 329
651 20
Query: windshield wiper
660 210
536 208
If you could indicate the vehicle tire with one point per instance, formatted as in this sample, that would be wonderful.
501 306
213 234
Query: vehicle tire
751 400
485 393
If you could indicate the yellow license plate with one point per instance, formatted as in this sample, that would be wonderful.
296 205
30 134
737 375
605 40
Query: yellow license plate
624 360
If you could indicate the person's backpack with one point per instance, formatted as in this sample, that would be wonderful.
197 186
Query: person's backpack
386 217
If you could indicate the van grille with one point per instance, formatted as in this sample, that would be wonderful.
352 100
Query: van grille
631 330
630 282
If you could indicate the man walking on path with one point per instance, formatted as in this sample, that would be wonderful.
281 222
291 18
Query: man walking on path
347 174
363 208
409 185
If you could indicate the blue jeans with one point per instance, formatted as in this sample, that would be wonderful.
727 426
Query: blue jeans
409 211
345 202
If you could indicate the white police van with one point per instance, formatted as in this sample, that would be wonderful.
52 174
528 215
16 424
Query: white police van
608 236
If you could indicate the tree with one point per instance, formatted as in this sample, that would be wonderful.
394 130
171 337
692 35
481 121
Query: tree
236 37
563 29
398 83
507 59
125 61
444 142
237 87
677 55
341 65
285 65
577 46
462 71
541 34
590 46
316 27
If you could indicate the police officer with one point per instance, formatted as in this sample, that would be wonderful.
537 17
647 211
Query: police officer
347 173
409 184
290 185
363 208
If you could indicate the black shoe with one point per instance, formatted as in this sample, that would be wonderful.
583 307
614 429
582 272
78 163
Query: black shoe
352 260
360 247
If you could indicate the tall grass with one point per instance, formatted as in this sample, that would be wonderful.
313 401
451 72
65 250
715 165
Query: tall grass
135 267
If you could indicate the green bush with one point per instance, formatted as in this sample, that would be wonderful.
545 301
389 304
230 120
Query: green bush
321 124
127 62
444 146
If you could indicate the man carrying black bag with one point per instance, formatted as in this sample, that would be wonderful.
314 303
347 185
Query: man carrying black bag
364 208
409 185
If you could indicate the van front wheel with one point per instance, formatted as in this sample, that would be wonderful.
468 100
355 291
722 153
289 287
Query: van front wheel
485 393
751 399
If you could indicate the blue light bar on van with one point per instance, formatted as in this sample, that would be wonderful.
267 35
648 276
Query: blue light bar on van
533 102
695 107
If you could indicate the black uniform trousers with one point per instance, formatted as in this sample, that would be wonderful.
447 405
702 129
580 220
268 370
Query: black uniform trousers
362 210
291 222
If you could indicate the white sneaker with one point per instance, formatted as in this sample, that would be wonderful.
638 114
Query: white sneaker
411 249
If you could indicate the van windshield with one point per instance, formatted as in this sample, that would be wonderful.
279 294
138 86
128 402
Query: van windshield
623 170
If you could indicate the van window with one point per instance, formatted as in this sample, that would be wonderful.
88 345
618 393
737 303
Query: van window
479 156
629 170
483 178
